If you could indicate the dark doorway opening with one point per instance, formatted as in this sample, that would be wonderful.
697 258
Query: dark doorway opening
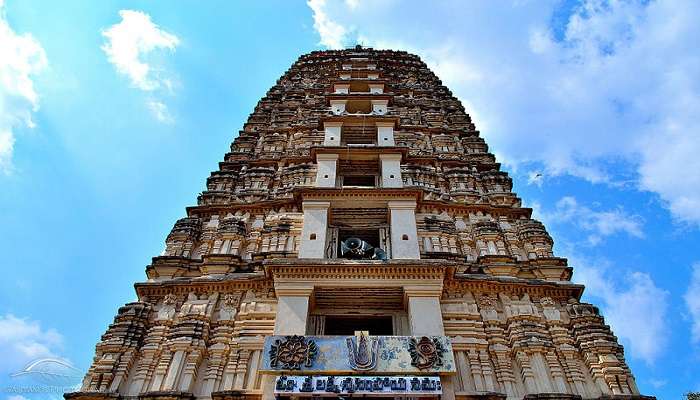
346 326
370 236
359 181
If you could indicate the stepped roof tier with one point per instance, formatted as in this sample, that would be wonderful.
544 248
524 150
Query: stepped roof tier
358 226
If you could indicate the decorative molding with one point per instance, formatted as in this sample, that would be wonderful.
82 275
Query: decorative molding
293 353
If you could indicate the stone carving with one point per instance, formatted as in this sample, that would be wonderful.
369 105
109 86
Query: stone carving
229 305
549 309
425 352
362 352
487 304
167 309
293 353
250 215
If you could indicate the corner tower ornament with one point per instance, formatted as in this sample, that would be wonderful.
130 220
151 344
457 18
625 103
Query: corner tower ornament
293 353
425 352
353 156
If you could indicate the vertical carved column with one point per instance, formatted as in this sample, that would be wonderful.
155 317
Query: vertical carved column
241 369
567 354
118 349
526 371
150 354
221 344
475 368
601 352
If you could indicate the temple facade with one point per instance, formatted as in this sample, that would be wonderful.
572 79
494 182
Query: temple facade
359 239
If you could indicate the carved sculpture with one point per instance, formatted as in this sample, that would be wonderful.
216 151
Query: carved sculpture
293 353
210 298
362 352
425 352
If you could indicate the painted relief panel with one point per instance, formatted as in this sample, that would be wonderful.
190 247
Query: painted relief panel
366 354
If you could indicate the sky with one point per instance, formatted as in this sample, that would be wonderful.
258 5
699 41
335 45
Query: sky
113 113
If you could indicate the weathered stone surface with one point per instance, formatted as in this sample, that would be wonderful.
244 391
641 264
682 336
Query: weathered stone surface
365 143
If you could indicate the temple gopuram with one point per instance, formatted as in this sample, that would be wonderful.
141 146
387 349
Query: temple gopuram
358 240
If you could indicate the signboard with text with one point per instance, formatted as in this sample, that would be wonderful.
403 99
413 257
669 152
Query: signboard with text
332 386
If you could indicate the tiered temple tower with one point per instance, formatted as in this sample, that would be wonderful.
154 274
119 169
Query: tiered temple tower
358 240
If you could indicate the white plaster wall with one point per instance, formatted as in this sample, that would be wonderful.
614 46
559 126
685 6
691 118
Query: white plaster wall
385 134
341 89
391 170
291 315
315 225
379 106
376 89
425 316
326 170
403 222
331 135
338 106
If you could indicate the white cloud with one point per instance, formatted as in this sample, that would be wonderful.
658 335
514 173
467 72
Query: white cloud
21 57
635 308
599 224
692 302
658 383
128 47
333 35
535 178
160 111
17 397
615 83
23 340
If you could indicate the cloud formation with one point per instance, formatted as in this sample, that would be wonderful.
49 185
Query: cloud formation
21 58
128 47
635 308
23 340
589 91
692 303
599 224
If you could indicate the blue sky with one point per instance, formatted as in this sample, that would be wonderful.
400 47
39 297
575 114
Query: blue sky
112 115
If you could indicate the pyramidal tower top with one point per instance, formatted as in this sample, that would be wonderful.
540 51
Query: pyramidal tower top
358 239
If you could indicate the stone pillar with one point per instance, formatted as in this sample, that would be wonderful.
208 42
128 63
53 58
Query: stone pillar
404 234
292 309
313 233
424 312
391 170
378 106
292 313
385 134
326 169
331 135
425 318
